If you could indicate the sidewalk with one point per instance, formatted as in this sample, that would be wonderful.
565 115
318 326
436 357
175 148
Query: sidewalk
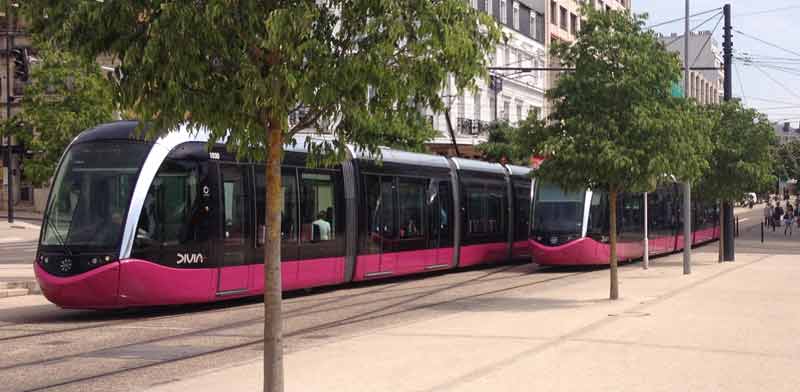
725 327
18 231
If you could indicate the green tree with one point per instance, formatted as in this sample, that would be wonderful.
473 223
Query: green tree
786 160
741 158
614 126
510 143
66 95
363 69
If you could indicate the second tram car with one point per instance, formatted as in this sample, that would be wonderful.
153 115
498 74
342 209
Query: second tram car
572 228
133 223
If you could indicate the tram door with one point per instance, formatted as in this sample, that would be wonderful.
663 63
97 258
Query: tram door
235 233
382 236
441 223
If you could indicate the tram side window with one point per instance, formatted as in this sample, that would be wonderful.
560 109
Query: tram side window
288 209
630 217
598 214
475 217
317 207
412 207
172 213
495 208
486 206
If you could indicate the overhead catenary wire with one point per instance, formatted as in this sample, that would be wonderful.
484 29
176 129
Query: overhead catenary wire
681 19
741 85
769 11
705 44
777 83
694 28
767 43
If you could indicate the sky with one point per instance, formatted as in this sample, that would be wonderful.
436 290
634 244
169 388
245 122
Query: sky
771 81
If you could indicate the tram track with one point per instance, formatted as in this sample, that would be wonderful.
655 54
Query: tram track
228 306
287 316
362 317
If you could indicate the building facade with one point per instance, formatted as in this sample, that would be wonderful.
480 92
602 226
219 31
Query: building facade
705 86
508 95
12 92
784 133
563 24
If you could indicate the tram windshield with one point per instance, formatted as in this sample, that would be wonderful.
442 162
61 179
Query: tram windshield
91 193
556 211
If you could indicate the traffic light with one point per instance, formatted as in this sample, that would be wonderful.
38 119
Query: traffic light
21 63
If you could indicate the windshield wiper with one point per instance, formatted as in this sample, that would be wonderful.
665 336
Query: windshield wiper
58 236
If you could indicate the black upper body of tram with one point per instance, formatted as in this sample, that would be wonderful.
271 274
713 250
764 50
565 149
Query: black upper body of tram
558 215
210 204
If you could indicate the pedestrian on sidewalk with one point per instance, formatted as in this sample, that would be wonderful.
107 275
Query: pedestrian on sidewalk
767 213
788 219
777 215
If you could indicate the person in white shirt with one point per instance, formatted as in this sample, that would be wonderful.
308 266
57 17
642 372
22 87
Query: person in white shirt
323 226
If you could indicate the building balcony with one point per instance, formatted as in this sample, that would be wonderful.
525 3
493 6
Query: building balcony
466 126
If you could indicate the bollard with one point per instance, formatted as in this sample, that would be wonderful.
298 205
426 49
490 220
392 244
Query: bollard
762 232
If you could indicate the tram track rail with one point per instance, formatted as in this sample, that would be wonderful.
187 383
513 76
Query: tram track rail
395 309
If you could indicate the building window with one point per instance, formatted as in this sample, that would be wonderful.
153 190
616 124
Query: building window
519 111
507 56
553 13
503 12
515 16
487 5
563 18
506 114
573 24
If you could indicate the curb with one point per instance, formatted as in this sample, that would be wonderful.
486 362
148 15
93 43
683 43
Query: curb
19 288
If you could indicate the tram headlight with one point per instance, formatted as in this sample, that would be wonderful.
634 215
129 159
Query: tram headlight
94 261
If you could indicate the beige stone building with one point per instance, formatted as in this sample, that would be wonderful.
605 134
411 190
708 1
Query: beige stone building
562 23
705 86
13 88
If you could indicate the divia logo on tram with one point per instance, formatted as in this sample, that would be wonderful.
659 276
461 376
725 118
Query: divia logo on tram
190 258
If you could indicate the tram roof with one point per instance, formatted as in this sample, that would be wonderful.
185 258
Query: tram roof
518 171
389 155
479 166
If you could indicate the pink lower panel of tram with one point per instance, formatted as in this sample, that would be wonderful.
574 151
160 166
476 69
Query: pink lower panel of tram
402 263
144 283
521 250
96 289
483 253
584 251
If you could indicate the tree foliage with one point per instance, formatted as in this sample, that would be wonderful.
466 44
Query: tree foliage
365 66
66 95
512 143
361 69
741 159
786 161
615 126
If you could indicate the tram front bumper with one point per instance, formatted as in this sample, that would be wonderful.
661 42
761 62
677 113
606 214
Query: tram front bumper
95 289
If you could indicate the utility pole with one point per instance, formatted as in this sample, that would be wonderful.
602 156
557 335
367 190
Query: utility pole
9 159
687 186
727 207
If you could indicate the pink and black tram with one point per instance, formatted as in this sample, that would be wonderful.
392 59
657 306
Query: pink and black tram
572 228
135 223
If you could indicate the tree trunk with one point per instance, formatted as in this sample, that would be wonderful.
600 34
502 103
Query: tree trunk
721 233
273 323
452 133
613 261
